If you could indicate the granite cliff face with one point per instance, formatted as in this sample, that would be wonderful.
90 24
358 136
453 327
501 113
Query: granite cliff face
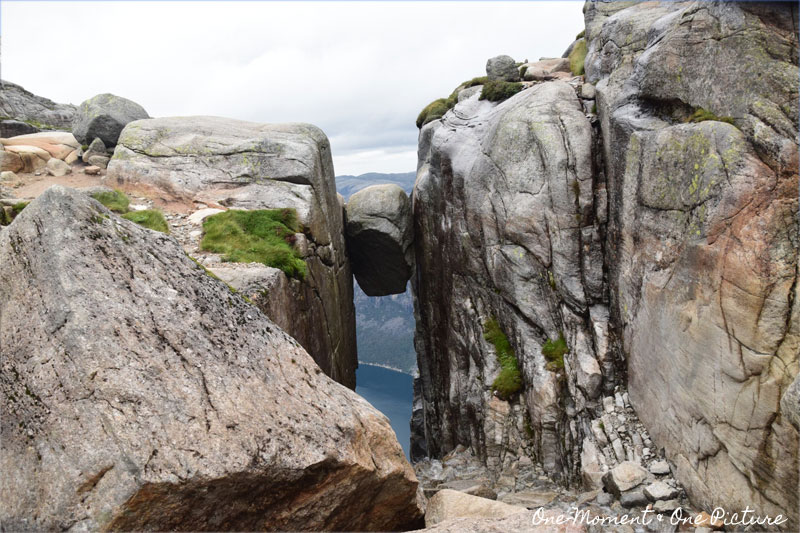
243 165
646 222
141 394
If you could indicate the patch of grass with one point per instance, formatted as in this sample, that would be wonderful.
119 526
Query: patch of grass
18 207
149 218
262 236
577 57
433 111
115 200
701 115
522 70
509 381
498 90
581 35
436 109
84 147
553 351
594 108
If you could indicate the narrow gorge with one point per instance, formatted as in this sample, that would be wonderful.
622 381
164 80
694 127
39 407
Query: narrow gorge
603 252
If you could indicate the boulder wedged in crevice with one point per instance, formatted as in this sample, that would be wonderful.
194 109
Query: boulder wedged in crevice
379 239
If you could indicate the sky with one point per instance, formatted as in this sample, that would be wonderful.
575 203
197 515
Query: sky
361 71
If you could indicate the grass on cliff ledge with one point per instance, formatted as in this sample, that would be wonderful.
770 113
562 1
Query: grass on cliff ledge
701 115
261 236
577 57
509 381
118 202
498 90
554 351
436 109
149 218
115 201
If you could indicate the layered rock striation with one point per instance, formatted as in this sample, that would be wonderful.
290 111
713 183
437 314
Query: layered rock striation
244 165
636 229
36 111
138 393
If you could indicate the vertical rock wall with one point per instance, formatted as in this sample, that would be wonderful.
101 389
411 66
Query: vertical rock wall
659 237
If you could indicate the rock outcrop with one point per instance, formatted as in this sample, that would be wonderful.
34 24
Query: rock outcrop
448 504
639 231
21 105
244 165
138 393
502 68
104 116
33 151
702 248
379 239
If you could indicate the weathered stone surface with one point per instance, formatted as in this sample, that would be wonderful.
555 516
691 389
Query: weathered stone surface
56 167
7 175
525 521
379 238
92 170
502 68
660 491
545 69
11 162
31 158
58 144
447 504
143 395
104 116
624 477
502 199
244 165
12 128
659 468
702 236
96 147
19 104
98 160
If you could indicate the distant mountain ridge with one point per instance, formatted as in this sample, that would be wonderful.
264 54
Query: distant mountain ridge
348 185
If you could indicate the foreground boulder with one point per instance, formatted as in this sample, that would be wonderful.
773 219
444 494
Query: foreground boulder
244 165
104 116
379 238
502 68
138 393
38 112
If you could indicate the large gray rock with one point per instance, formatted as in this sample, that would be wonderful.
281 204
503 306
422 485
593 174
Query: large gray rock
244 165
702 236
379 238
12 128
104 116
138 393
18 104
502 68
506 228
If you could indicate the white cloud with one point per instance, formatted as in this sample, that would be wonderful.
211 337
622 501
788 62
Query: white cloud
359 70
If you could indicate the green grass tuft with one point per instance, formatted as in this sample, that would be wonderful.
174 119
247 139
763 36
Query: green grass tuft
509 381
263 236
149 218
581 35
701 115
522 70
497 90
18 207
480 80
577 57
553 351
433 111
115 200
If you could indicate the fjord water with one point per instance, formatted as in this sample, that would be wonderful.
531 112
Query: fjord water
391 393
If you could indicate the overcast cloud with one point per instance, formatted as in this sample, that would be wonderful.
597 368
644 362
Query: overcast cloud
361 71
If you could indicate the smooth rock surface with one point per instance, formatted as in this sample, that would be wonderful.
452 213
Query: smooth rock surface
104 116
12 128
447 504
624 477
379 239
244 165
144 395
57 167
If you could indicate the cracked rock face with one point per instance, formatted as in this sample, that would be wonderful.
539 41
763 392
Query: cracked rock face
139 393
244 165
104 116
19 104
379 239
703 236
506 228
